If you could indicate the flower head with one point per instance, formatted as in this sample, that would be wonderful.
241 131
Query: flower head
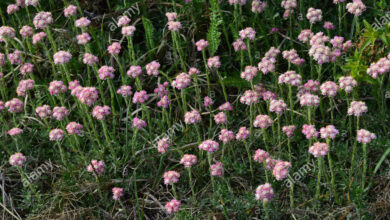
319 149
216 169
364 136
96 167
264 193
117 193
209 146
188 160
17 159
172 206
171 177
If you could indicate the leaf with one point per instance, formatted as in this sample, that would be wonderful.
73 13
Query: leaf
381 160
148 32
214 34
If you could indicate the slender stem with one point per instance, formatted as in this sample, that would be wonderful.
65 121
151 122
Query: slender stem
319 177
364 165
249 157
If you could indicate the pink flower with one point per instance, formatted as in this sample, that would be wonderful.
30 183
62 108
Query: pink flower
172 206
74 128
314 15
242 133
117 193
62 57
60 113
15 131
258 6
17 159
134 71
220 118
250 97
226 136
329 131
152 68
43 111
73 84
347 83
56 134
319 39
15 58
42 20
193 71
100 112
289 130
192 117
270 163
364 136
57 87
174 25
6 32
2 106
356 7
225 107
277 106
247 33
171 177
26 31
88 95
24 86
209 146
264 193
329 88
188 160
290 78
239 45
138 123
26 68
164 102
311 85
320 53
357 108
213 62
71 10
207 102
309 131
114 48
281 169
305 35
260 155
262 121
90 59
128 30
182 81
162 145
267 65
123 21
83 38
293 57
171 16
82 22
96 167
268 95
379 68
216 169
249 73
124 91
338 1
308 99
319 149
329 25
140 97
236 2
161 89
201 44
289 4
14 106
106 72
